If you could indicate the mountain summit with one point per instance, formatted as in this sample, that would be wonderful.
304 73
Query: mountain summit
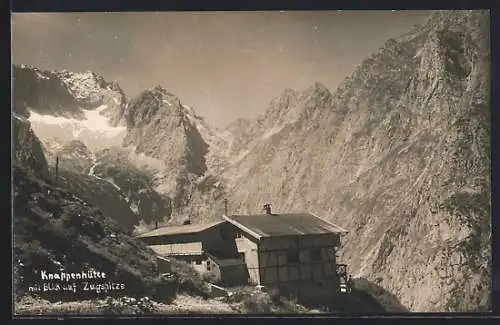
62 92
69 105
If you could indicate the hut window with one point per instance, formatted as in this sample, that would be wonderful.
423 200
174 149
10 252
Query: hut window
316 255
292 256
237 234
208 266
198 262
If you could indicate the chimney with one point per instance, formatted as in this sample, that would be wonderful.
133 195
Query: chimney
267 208
225 207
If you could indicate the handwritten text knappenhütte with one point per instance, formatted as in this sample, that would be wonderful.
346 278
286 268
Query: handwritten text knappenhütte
64 276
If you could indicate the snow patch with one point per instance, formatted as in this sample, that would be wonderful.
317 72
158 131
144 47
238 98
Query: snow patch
134 207
418 54
41 76
94 122
91 171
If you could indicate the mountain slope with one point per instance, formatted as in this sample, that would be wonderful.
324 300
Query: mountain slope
110 181
102 194
399 155
282 110
218 153
73 155
55 231
136 185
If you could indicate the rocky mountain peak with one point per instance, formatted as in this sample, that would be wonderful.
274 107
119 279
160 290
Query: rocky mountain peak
455 20
153 104
318 88
92 89
288 93
161 93
43 92
64 93
399 156
160 127
316 97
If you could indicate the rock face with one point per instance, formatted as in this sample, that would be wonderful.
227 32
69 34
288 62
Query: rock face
282 110
399 155
184 153
92 90
73 155
43 91
135 185
28 150
69 105
159 128
218 153
64 93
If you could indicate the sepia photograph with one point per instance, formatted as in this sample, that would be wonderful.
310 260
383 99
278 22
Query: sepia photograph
251 162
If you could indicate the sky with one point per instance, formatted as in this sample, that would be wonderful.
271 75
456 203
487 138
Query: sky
225 65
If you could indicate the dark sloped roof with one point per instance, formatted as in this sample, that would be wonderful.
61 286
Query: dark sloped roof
287 224
179 230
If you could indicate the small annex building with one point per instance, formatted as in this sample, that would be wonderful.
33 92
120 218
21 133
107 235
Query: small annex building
203 247
294 252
